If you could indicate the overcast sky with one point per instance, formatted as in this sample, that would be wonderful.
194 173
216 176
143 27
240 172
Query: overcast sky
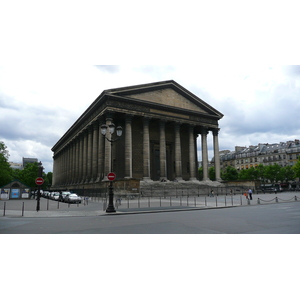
260 104
55 60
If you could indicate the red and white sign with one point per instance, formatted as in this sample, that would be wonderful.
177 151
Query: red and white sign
111 176
39 181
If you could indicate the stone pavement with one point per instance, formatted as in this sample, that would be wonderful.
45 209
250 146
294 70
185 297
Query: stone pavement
52 209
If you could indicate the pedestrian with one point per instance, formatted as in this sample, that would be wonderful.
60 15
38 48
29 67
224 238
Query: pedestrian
250 193
246 195
211 193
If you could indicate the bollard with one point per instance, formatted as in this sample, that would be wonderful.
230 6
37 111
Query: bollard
205 201
258 201
170 201
47 204
23 210
195 201
248 202
187 201
57 204
276 199
295 198
4 209
231 201
241 200
225 201
180 201
148 201
216 201
160 201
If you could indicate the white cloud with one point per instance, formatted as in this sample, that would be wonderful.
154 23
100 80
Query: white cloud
39 103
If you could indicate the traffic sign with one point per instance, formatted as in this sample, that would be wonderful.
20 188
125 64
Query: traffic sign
111 176
39 181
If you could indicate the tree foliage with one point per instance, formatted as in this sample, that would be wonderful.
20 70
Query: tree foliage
5 169
296 168
26 176
200 171
229 174
273 173
212 173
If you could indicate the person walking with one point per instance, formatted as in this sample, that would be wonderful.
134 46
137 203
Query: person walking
250 193
246 195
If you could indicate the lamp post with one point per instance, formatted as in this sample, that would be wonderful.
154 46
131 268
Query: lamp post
40 174
104 130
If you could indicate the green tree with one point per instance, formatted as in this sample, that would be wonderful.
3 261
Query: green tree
229 174
29 174
296 168
274 173
261 171
249 174
200 171
212 173
288 173
5 169
48 180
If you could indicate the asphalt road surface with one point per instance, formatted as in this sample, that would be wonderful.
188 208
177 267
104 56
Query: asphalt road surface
279 218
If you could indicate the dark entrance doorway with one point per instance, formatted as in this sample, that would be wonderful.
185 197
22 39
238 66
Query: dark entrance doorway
155 162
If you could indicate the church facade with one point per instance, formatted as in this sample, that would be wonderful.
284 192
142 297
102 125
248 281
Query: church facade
160 123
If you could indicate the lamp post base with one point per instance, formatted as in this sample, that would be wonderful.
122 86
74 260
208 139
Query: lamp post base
110 208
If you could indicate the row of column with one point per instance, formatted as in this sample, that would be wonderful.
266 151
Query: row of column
87 158
81 161
178 160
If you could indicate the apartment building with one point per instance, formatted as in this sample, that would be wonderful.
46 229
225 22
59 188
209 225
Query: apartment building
283 154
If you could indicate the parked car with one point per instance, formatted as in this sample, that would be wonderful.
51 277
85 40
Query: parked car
64 195
46 194
73 198
54 196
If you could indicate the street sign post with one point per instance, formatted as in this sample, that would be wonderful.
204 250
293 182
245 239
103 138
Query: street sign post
39 181
111 176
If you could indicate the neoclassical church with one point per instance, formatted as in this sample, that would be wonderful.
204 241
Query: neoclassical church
158 124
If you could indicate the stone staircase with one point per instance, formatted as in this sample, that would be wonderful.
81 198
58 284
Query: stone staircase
177 189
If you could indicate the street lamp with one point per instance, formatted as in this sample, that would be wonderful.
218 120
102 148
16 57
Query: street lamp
111 129
40 174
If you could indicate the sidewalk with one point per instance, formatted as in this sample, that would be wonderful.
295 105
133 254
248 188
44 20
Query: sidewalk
53 209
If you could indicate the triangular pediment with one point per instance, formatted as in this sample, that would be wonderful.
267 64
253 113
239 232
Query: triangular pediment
168 97
167 93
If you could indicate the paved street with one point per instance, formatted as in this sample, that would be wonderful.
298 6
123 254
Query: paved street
277 218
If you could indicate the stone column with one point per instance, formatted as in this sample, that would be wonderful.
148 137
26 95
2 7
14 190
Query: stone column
101 144
80 159
65 174
54 173
71 163
57 168
89 151
178 163
84 157
76 160
128 147
95 152
107 155
217 154
146 150
204 133
192 154
163 151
